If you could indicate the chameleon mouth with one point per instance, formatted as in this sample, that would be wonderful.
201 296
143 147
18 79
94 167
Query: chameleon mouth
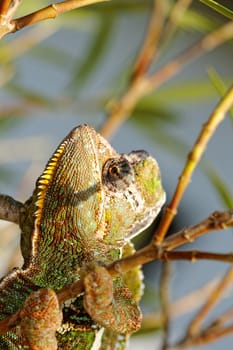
141 224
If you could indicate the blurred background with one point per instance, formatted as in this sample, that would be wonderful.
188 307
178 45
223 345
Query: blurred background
65 72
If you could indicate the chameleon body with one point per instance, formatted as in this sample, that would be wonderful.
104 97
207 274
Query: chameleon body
87 205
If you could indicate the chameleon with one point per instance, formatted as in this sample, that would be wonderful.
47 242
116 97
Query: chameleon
87 205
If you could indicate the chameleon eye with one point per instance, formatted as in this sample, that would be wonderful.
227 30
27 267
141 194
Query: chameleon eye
114 171
117 173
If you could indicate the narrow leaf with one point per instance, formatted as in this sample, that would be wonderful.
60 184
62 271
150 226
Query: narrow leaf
223 191
219 85
218 8
99 44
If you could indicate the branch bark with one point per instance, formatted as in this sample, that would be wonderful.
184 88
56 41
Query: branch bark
51 11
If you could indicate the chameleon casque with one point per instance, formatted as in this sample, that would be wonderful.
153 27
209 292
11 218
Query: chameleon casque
87 205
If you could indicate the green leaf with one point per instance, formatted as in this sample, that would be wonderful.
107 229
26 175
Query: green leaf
218 8
193 20
185 91
223 191
98 47
217 81
219 85
29 96
8 119
121 6
52 55
149 110
152 118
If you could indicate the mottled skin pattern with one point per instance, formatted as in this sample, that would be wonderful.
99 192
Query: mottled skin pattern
87 204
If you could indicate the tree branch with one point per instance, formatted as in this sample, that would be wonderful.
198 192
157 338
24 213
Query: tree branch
10 209
119 111
150 45
194 327
193 159
51 11
142 256
165 302
216 221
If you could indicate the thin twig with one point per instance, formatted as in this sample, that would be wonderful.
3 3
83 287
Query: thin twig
193 159
194 255
193 300
216 221
194 327
207 336
144 255
4 6
175 16
20 44
159 31
177 13
119 111
165 302
223 318
151 252
8 9
9 209
211 335
139 85
151 42
181 306
51 11
206 44
71 291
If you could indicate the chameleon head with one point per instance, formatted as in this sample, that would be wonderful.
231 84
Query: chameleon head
88 193
134 194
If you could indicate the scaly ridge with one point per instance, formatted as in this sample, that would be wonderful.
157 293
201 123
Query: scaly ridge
42 184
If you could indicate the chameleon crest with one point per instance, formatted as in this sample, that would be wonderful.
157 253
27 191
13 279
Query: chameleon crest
87 205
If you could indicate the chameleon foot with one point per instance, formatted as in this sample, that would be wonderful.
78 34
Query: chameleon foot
110 303
40 318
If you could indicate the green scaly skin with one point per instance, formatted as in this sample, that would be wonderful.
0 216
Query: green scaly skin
87 204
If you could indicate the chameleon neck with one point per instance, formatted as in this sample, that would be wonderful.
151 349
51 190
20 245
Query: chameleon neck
63 246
